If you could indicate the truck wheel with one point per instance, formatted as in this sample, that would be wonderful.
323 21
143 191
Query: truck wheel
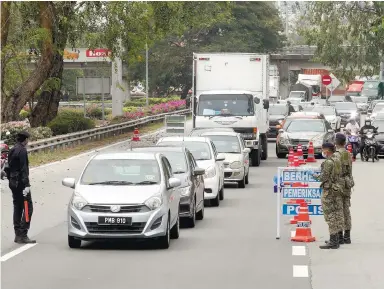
264 145
255 157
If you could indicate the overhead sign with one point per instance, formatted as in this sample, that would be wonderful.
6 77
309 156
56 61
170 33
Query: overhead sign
301 193
326 80
291 175
334 84
294 209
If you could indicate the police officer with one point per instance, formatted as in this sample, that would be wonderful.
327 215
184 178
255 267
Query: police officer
18 176
348 183
331 200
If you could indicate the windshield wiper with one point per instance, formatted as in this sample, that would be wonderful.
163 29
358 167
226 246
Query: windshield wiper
179 172
226 115
146 183
112 183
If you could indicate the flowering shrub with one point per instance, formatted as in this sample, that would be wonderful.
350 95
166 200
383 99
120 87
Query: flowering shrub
94 111
168 106
10 130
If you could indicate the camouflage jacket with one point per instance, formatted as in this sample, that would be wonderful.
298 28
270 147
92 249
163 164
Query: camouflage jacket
330 176
346 167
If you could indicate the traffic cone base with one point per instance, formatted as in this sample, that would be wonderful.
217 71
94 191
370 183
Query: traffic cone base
303 235
311 154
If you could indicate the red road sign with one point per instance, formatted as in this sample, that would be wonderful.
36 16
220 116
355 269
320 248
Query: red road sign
326 79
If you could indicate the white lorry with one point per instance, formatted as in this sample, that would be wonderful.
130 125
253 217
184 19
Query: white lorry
274 83
232 90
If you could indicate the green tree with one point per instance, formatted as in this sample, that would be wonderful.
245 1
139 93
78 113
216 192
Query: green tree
348 35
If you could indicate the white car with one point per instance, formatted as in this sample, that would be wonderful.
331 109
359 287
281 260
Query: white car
122 196
379 108
207 157
236 164
330 115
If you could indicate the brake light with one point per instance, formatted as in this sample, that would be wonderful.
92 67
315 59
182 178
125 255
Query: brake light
255 59
204 58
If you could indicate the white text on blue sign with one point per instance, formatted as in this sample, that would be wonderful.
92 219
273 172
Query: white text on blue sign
294 209
299 176
301 193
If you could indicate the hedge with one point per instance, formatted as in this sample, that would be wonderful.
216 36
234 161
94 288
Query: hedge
69 121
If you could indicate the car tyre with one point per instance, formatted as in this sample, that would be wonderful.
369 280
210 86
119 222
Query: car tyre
200 214
280 155
216 201
241 183
164 241
264 145
73 243
221 193
191 221
175 231
247 179
255 157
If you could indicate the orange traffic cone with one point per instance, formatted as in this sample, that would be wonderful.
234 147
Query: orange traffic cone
295 160
351 151
294 220
291 157
303 228
311 153
300 154
136 136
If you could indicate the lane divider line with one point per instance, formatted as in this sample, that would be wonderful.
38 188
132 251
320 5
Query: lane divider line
17 252
298 251
300 271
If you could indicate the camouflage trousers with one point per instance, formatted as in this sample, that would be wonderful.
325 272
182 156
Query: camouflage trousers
347 213
333 211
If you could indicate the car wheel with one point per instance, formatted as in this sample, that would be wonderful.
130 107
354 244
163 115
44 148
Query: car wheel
255 157
175 231
247 179
164 241
73 243
221 193
280 155
200 214
241 183
191 221
264 145
216 201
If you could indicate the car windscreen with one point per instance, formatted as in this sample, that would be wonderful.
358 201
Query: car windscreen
378 107
380 125
225 104
225 143
324 110
277 110
200 150
177 161
305 125
345 106
121 172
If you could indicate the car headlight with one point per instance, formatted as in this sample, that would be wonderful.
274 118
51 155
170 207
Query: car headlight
284 141
235 165
154 203
78 202
186 191
210 173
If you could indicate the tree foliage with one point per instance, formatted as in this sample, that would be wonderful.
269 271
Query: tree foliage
348 35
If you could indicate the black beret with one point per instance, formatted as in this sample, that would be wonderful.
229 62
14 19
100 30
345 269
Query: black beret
23 133
328 145
340 136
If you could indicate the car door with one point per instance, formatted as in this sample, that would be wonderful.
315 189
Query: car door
173 194
219 165
198 182
245 155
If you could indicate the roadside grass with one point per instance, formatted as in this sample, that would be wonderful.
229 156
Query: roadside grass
41 158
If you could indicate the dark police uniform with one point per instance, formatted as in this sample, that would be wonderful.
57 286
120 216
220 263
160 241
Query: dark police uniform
18 175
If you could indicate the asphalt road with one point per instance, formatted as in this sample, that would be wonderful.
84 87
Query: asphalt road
234 246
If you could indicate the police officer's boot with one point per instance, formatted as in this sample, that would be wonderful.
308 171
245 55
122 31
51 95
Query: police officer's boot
347 237
333 242
341 239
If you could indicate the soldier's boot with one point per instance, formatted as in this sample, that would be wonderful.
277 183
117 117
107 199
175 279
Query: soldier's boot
333 242
341 239
347 237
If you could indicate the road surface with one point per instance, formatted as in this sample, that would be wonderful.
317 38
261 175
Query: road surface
233 247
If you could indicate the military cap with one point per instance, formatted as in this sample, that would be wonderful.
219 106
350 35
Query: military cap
328 145
23 134
340 136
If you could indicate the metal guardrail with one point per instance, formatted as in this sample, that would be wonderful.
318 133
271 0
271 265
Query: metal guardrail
73 139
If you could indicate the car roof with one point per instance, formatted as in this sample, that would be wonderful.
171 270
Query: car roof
229 133
160 149
185 138
306 114
126 156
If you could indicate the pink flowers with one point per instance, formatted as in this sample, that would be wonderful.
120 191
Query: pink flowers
134 115
168 106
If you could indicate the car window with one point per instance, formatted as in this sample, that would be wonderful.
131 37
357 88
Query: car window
177 160
169 167
191 160
200 150
305 125
226 143
214 149
120 170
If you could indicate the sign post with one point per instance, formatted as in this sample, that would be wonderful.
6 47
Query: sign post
297 183
334 83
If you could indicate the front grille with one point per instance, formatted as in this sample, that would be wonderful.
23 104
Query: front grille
123 209
299 141
135 228
227 174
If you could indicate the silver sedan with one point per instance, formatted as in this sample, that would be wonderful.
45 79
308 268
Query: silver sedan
124 195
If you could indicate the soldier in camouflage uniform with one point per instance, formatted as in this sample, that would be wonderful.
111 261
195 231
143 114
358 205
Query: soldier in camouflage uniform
348 183
331 200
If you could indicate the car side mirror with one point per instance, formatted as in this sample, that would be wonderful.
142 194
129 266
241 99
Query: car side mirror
256 100
220 157
199 172
266 103
247 150
69 182
281 130
174 182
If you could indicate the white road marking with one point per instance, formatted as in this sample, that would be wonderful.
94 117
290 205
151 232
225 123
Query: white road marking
293 234
17 252
300 271
298 251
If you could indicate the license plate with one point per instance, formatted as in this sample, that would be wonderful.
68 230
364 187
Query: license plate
115 221
302 147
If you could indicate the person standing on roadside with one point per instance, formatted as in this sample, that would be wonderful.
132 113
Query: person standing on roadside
331 200
18 176
348 183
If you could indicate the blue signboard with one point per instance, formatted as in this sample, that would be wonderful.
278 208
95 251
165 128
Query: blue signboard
301 193
305 176
294 209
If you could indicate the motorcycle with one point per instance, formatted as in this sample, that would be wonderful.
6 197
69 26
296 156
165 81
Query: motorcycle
370 144
354 141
